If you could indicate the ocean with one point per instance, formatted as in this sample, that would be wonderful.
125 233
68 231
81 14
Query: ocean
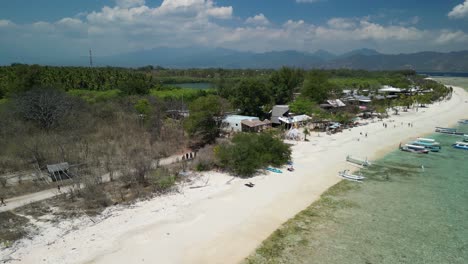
412 209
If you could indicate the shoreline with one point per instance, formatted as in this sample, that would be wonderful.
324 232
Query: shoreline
225 222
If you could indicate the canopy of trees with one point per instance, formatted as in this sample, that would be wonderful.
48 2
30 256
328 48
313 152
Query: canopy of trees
247 153
205 116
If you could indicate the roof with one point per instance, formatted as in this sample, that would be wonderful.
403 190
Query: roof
239 118
362 98
256 123
336 103
389 89
294 119
58 167
279 110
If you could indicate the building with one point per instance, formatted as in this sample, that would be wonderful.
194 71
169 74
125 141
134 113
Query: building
277 112
255 125
233 123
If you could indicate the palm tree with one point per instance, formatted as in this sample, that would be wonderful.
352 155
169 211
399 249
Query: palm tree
306 133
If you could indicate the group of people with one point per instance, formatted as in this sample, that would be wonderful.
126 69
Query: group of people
190 155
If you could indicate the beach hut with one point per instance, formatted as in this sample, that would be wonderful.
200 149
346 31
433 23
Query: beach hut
233 123
255 125
277 112
59 171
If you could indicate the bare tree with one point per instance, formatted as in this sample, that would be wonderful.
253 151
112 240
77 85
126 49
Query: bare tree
45 107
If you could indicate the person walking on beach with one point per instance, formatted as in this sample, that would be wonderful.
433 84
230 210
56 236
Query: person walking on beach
58 188
366 134
2 201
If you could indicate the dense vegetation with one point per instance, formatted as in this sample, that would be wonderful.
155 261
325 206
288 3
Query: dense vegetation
246 153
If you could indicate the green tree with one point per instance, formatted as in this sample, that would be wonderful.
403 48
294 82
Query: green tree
302 106
249 152
316 86
143 107
205 114
283 82
250 96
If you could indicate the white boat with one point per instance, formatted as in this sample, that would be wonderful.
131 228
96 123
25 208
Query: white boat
461 145
463 121
427 140
348 176
414 149
358 161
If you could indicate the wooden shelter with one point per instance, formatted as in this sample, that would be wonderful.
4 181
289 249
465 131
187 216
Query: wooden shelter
59 171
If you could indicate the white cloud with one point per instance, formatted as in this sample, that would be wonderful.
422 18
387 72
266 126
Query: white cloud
459 11
5 23
189 23
342 23
259 20
224 12
447 36
129 3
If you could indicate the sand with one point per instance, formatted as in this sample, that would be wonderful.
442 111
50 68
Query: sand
225 221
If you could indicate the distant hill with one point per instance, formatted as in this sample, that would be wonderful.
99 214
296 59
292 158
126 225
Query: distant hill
360 52
199 57
421 61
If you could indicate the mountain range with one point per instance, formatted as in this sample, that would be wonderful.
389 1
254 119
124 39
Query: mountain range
366 59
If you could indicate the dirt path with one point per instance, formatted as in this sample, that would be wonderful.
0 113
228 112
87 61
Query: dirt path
18 201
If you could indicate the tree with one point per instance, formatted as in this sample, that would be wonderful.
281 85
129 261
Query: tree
316 86
45 107
143 107
283 82
302 106
250 96
306 133
205 114
249 152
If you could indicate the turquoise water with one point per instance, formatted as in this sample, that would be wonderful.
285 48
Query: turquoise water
403 213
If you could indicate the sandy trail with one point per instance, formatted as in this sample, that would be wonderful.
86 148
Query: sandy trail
18 201
225 221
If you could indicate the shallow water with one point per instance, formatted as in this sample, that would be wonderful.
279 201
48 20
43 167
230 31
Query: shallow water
403 213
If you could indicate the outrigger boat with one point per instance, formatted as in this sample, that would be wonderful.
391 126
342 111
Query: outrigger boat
428 143
351 177
450 131
461 145
357 161
414 149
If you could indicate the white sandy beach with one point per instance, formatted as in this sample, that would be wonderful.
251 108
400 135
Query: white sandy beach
225 221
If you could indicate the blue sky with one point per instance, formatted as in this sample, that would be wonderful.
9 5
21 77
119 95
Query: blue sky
60 28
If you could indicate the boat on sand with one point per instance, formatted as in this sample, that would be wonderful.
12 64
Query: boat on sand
351 177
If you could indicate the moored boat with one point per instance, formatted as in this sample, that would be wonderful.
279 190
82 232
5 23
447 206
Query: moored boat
450 131
463 121
414 149
461 145
348 176
429 146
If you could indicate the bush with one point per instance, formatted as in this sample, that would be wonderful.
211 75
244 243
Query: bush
249 152
92 96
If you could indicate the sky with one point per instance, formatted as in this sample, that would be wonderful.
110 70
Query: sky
58 28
